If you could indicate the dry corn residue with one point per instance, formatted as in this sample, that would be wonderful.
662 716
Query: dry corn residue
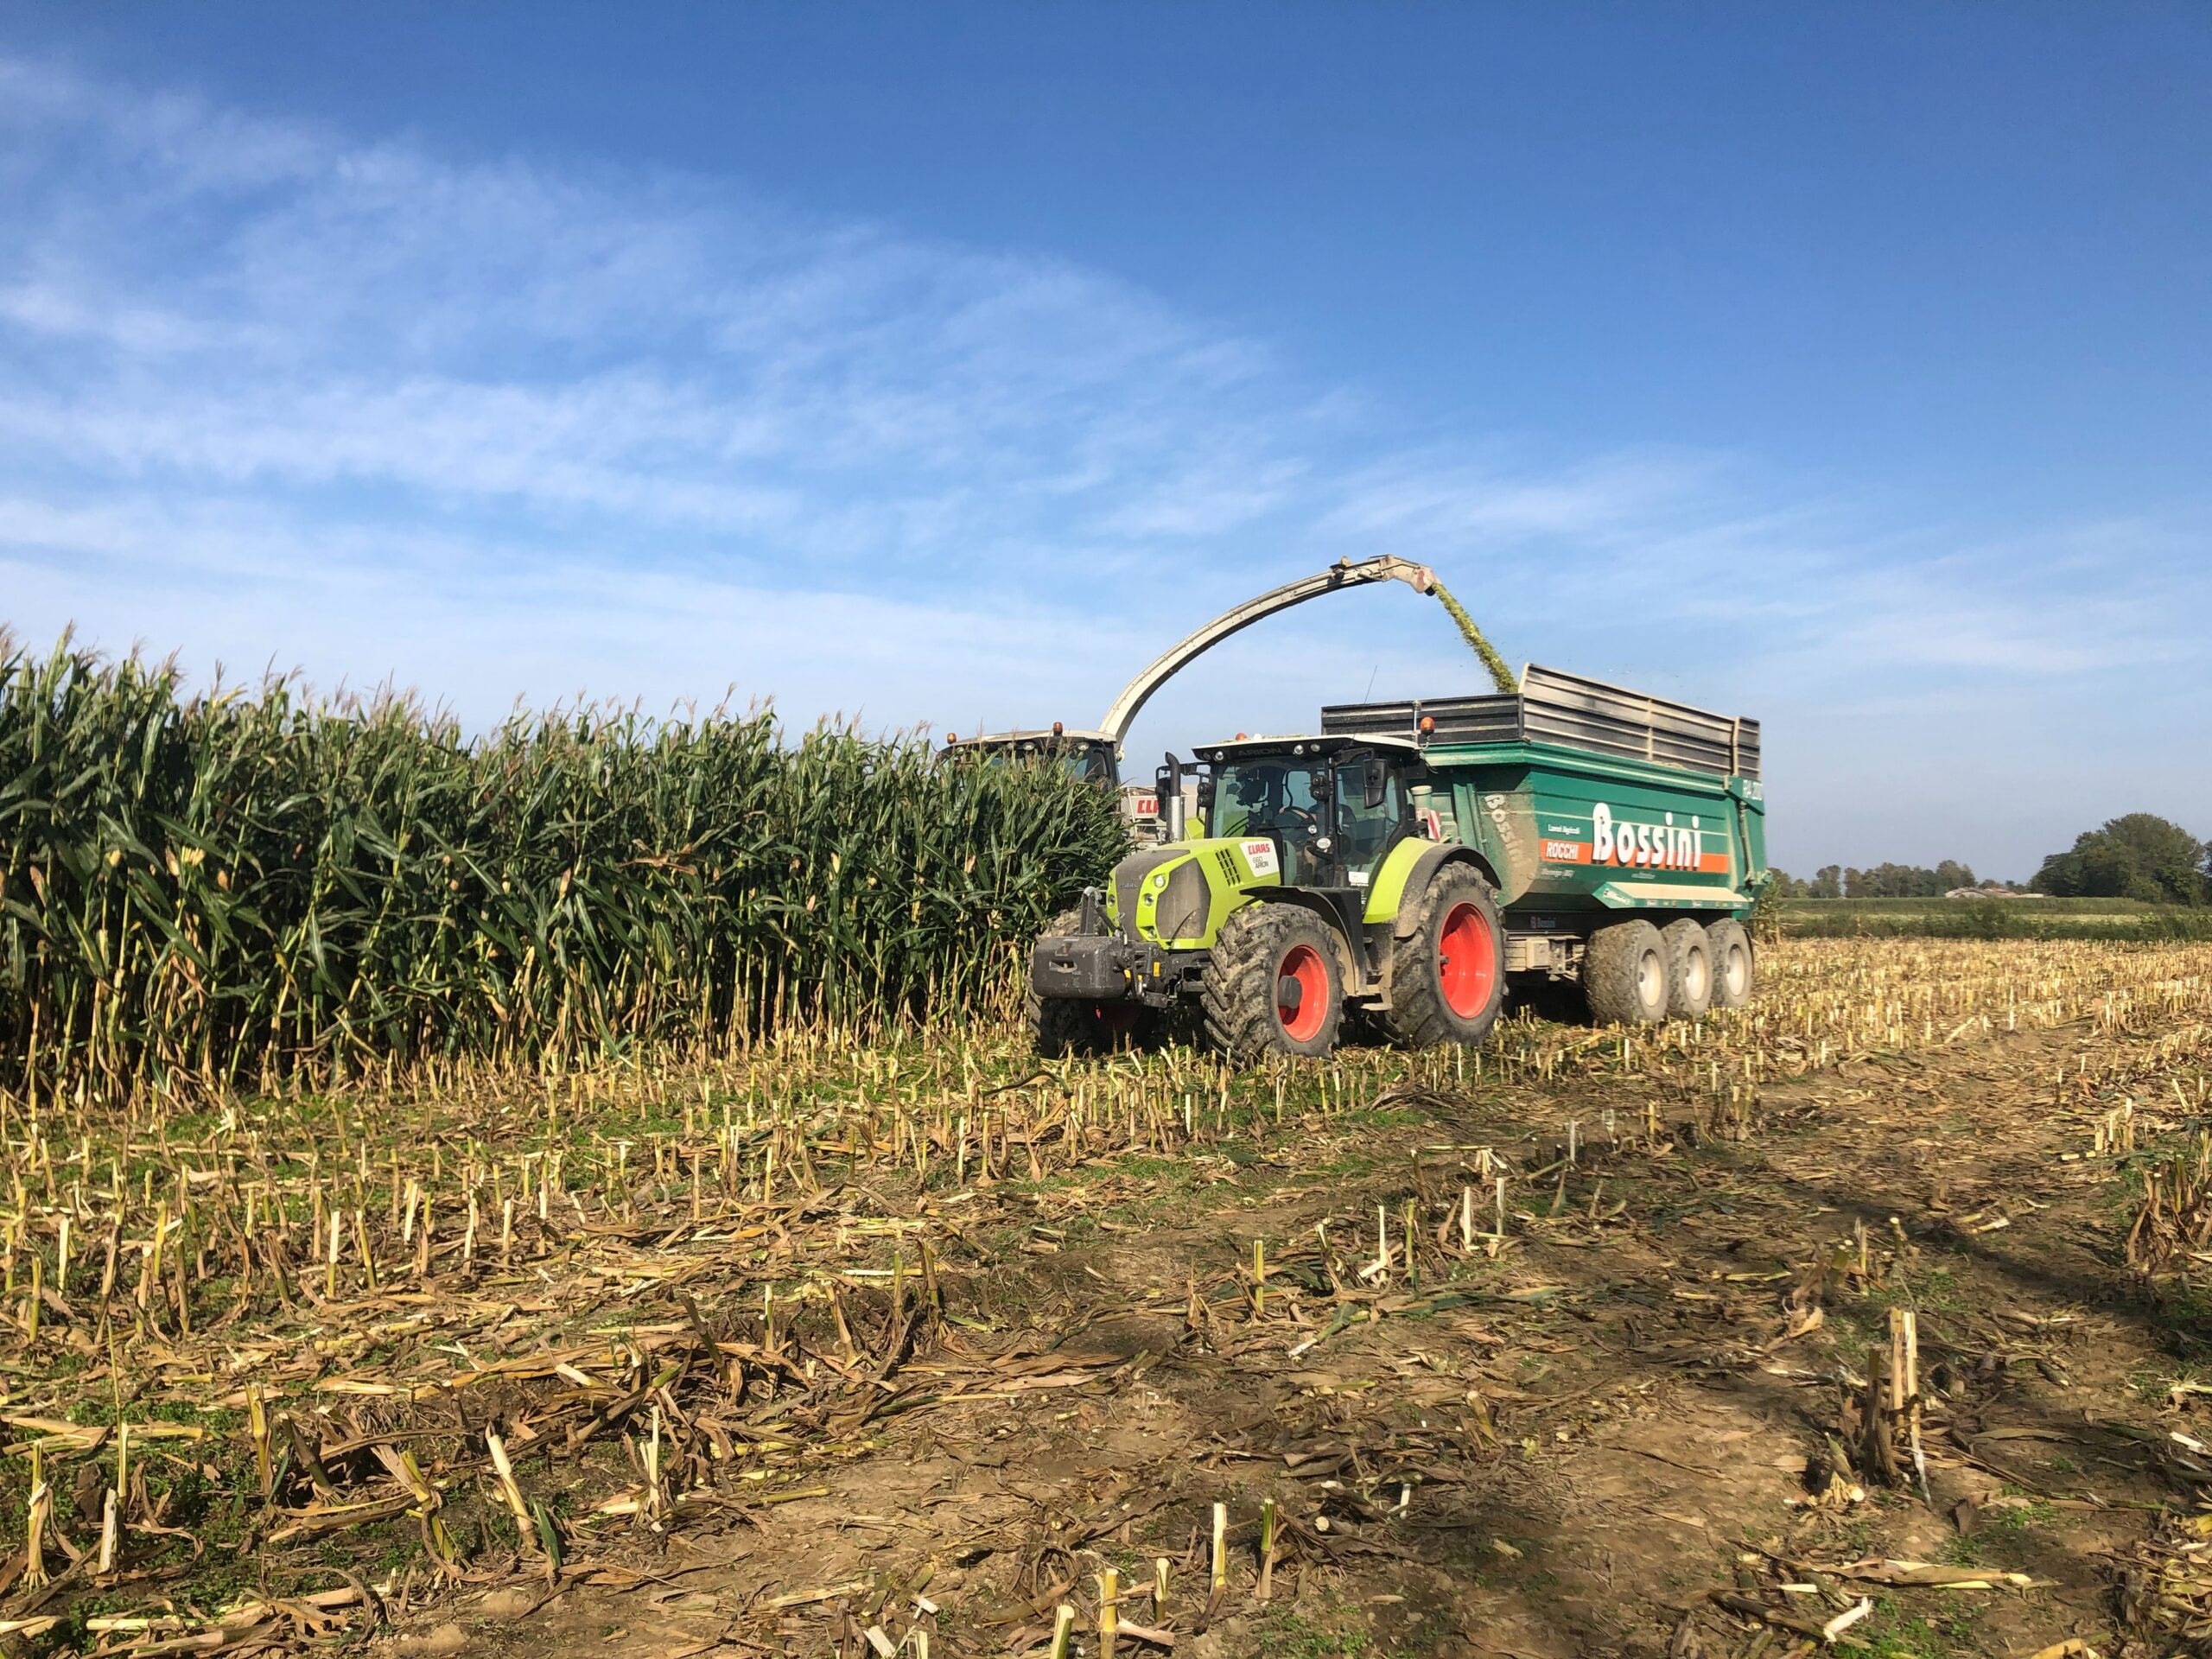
1868 1309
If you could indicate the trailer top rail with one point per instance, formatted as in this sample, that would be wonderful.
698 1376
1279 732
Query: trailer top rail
1553 707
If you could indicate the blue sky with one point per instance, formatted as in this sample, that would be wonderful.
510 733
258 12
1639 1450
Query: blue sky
1848 367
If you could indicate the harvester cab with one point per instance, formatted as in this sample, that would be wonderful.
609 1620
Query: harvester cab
1089 756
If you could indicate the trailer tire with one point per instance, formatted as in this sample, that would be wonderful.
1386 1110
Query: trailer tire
1733 964
1064 1028
1272 985
1624 974
1446 978
1689 968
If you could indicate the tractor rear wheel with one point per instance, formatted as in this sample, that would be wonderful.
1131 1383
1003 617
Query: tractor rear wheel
1624 974
1272 984
1730 947
1061 1028
1446 978
1690 969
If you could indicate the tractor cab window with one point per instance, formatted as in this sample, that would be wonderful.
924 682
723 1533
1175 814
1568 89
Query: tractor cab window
1370 810
1331 821
1280 799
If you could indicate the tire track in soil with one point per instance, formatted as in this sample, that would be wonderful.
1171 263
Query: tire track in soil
1557 1453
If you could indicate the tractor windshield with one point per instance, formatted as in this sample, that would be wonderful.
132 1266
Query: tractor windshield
1278 798
1316 811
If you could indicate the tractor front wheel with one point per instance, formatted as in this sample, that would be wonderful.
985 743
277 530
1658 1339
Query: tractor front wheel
1446 976
1272 985
1062 1028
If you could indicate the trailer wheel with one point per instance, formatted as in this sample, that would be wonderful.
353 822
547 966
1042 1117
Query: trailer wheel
1624 974
1272 986
1690 969
1730 947
1061 1028
1446 978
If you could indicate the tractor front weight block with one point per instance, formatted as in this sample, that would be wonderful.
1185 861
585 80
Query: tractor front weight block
1100 967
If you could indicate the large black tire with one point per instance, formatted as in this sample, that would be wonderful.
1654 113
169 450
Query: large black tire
1252 1009
1061 1027
1689 968
1624 974
1733 965
1446 978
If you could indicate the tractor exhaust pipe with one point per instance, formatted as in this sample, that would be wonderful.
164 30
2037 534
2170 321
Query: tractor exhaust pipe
1168 782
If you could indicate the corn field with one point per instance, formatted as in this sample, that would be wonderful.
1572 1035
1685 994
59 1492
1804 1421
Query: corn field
227 889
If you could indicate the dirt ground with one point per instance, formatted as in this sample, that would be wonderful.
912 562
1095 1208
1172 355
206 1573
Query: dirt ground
1634 1422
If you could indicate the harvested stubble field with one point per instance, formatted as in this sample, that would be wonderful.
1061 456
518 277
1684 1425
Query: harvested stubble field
2109 920
1872 1307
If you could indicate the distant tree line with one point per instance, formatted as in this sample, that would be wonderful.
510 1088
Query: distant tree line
2138 856
1883 881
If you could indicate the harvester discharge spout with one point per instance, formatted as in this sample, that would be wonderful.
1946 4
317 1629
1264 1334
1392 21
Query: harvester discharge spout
1342 575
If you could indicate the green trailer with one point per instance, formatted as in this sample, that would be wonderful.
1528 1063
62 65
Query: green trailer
1406 862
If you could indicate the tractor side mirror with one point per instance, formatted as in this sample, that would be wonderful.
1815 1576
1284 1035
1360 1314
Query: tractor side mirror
1206 795
1376 779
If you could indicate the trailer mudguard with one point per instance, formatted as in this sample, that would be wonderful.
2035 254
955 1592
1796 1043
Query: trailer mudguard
1660 895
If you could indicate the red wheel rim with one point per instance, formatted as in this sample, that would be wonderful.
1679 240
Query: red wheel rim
1302 1014
1466 960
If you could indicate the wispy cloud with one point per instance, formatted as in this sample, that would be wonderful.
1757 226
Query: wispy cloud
498 428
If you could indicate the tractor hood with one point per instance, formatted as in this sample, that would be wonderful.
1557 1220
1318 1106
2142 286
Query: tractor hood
1179 895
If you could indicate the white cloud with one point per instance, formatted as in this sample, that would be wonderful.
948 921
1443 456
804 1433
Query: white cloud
497 428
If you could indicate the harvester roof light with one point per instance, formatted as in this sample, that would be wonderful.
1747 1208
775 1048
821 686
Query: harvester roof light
1240 737
1428 724
952 737
1057 728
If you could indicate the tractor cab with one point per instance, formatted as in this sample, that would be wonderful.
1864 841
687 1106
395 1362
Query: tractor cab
1332 806
1312 836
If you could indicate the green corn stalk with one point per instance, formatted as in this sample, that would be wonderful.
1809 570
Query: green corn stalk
221 887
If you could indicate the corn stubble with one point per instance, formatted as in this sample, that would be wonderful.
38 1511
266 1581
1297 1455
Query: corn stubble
488 1320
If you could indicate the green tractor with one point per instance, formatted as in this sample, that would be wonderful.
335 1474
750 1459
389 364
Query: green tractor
1401 865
